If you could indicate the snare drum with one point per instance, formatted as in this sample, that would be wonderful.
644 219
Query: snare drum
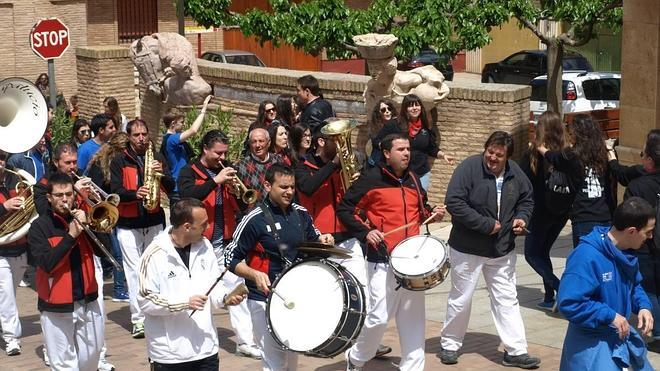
420 262
326 308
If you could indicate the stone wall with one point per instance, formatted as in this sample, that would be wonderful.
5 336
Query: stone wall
465 120
105 71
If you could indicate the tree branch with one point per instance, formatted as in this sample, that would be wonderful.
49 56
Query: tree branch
568 37
352 48
532 27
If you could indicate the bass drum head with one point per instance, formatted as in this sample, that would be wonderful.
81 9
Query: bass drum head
418 255
316 292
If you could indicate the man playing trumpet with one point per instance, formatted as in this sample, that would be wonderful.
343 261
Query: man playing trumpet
71 319
207 179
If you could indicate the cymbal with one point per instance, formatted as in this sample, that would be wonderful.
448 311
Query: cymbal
327 251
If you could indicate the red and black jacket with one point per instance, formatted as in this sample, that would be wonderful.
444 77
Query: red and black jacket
8 191
320 192
194 181
41 190
65 265
388 202
126 177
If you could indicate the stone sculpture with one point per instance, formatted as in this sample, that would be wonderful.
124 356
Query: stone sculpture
167 63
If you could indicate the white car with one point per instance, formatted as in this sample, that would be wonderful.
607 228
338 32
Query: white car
582 92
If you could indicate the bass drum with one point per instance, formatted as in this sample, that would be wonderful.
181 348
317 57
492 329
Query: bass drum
324 310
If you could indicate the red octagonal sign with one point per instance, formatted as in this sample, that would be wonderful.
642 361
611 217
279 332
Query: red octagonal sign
49 38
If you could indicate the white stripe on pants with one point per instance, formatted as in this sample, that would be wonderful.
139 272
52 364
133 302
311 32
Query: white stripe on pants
73 340
500 276
239 315
386 301
11 272
133 242
356 263
274 357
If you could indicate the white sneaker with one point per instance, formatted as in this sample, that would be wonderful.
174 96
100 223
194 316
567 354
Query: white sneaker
349 365
24 283
13 347
104 365
251 351
46 359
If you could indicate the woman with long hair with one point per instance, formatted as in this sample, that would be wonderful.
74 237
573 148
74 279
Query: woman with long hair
279 141
80 132
548 218
284 109
265 115
587 166
384 112
300 141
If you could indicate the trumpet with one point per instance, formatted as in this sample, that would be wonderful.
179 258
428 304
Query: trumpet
247 195
96 241
103 213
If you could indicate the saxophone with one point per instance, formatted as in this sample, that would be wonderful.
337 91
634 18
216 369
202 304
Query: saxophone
151 181
339 130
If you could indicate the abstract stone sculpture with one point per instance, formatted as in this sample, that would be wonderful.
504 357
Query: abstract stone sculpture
167 63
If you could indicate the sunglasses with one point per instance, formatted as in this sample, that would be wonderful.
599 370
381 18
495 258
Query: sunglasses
85 131
271 110
385 109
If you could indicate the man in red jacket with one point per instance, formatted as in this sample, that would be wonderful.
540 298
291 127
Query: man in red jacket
71 319
206 179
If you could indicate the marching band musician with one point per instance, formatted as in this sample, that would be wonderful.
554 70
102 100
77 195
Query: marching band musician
264 240
391 196
137 226
13 262
206 179
178 262
71 320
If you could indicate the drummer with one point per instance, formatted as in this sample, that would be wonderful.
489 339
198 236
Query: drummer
265 241
391 196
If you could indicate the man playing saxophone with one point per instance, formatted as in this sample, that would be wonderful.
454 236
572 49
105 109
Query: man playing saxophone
207 179
137 226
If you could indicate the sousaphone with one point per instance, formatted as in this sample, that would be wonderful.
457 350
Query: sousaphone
23 120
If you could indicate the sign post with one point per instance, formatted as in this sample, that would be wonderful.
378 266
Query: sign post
49 39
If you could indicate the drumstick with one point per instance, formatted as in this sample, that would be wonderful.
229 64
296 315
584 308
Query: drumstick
408 225
211 289
287 304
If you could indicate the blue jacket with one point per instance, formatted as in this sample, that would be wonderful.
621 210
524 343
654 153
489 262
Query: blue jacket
600 281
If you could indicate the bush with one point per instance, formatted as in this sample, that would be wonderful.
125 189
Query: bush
61 127
220 120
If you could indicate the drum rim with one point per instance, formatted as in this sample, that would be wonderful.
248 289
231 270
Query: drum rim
420 275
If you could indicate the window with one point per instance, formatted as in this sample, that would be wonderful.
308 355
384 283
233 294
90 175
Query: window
576 64
602 89
516 60
540 90
136 19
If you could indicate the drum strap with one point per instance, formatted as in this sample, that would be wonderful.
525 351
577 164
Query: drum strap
422 210
271 222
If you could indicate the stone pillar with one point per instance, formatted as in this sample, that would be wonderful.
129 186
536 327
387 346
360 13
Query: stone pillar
105 71
640 70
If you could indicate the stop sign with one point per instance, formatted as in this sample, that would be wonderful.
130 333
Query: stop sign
49 38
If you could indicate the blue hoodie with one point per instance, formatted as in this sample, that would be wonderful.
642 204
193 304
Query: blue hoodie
600 281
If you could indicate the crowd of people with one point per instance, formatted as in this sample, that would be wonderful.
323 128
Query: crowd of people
243 223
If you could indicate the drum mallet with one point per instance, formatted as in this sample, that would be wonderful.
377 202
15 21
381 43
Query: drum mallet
287 304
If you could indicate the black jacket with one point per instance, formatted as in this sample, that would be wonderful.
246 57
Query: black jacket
472 202
316 112
648 188
422 146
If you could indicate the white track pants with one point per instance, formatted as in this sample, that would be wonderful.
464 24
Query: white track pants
274 357
11 272
356 263
133 242
500 276
386 302
98 274
73 340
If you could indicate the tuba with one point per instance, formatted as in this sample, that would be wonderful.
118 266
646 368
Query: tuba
151 180
339 130
23 119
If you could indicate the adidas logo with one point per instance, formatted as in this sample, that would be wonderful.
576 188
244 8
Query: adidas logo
171 275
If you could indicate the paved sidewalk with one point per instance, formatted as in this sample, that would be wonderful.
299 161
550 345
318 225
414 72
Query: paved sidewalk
482 351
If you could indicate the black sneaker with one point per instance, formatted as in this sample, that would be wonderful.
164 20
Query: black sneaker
448 357
524 361
383 350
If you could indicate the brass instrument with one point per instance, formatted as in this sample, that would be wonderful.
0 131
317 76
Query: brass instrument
247 195
103 213
16 224
151 180
339 130
96 241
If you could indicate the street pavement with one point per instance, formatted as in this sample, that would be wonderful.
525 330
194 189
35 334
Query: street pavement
481 351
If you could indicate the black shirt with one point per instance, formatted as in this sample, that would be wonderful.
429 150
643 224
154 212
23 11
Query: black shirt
184 253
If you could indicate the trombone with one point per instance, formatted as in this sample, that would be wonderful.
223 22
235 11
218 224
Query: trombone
103 213
98 243
247 195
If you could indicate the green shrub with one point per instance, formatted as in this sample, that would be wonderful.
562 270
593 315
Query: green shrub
220 120
61 126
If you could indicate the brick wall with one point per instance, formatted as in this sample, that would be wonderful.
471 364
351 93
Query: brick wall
102 22
16 21
465 120
105 71
167 20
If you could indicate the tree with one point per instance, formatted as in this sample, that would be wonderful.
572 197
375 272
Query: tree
317 25
580 17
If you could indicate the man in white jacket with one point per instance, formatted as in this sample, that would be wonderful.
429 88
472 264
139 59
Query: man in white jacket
178 262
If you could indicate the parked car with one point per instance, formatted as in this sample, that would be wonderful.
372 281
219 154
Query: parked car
233 57
523 66
429 56
581 92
